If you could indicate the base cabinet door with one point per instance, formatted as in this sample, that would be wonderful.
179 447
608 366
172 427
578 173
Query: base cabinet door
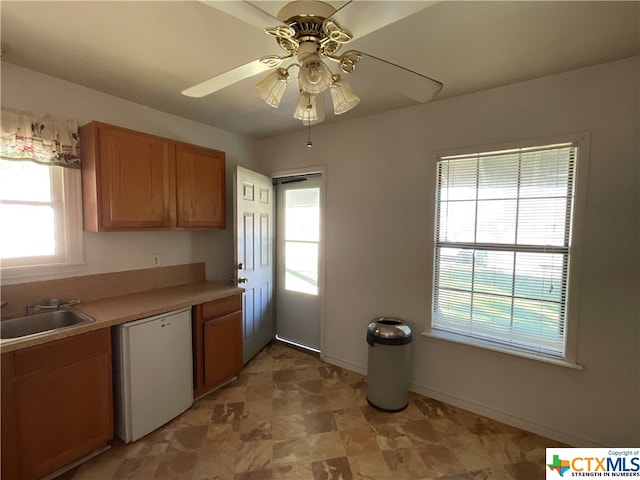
62 403
9 460
222 348
217 343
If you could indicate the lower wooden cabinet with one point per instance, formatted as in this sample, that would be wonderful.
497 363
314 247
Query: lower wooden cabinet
217 343
56 404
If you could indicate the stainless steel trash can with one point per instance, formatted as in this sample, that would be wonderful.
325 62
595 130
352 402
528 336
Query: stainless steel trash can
389 342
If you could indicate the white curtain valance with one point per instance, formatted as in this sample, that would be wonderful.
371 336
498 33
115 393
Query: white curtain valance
39 137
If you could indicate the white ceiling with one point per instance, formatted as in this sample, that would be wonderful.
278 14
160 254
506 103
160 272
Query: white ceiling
148 52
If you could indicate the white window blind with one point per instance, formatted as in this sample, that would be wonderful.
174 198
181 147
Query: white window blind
503 246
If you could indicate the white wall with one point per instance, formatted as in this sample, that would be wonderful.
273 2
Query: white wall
24 89
379 199
380 189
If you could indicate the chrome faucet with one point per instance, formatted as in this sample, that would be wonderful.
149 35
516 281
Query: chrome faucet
51 304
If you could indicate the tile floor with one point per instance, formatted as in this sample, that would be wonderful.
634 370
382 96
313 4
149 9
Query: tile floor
291 416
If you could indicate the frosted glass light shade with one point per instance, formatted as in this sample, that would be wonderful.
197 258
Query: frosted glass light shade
271 88
306 108
342 96
314 75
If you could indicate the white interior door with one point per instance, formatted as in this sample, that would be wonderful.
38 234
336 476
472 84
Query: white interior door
253 226
298 285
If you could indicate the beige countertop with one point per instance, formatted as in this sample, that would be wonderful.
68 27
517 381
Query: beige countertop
116 310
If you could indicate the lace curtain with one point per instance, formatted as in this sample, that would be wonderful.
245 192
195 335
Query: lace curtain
39 137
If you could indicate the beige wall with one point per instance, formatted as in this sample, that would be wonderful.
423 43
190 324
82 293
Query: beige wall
24 89
379 199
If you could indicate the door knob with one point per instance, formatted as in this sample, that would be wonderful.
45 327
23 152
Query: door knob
243 280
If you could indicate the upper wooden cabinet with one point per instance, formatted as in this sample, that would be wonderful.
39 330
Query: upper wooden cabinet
199 203
135 181
127 179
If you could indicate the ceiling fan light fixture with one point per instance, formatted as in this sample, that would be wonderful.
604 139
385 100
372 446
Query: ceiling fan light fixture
306 108
314 76
342 95
272 87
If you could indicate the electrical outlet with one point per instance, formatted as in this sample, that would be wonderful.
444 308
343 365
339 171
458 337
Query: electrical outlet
156 260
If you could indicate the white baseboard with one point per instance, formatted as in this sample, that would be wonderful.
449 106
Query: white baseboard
341 363
504 417
479 409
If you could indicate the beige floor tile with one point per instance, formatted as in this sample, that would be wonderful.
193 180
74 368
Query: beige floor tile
216 462
97 470
360 440
391 437
326 445
284 406
332 469
370 466
290 416
260 378
176 466
255 455
296 471
290 451
287 426
348 418
137 468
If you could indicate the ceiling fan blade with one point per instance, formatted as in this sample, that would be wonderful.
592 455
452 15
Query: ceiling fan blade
409 83
246 12
225 79
363 18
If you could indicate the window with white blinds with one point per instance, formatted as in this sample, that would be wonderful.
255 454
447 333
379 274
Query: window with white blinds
503 226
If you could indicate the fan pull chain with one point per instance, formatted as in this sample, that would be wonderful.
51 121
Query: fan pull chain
309 144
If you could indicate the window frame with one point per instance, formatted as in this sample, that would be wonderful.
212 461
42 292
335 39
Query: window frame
580 140
66 185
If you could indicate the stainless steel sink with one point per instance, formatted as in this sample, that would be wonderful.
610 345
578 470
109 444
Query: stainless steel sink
42 322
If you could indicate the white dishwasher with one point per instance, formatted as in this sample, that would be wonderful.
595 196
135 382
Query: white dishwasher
153 372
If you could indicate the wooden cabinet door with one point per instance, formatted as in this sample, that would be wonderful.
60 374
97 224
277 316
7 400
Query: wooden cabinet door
9 447
136 175
135 181
61 415
200 187
62 402
222 349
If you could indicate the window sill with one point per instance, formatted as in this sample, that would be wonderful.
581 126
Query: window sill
31 273
452 337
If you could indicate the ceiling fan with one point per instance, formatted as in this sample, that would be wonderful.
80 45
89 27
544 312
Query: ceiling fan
310 33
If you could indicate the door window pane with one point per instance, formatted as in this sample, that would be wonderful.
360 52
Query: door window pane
301 267
302 233
302 214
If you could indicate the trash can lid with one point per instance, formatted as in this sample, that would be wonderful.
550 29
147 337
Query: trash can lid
385 327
